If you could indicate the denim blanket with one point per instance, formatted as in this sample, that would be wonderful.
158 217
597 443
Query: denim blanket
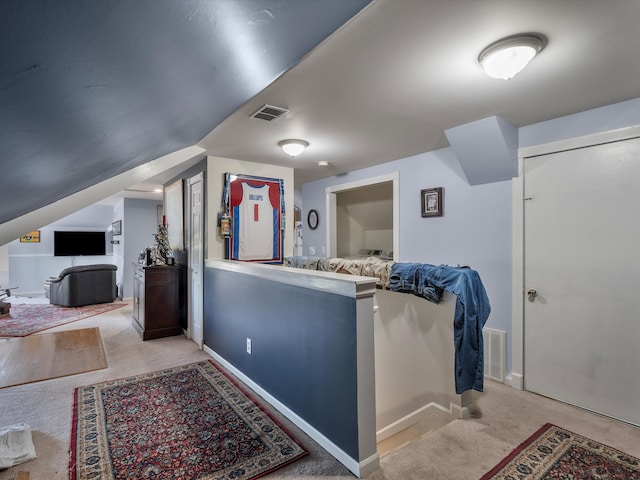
471 312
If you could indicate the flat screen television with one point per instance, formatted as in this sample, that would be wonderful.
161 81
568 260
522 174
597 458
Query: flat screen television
74 243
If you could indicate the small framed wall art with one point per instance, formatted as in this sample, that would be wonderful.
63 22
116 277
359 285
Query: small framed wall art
31 237
432 202
116 227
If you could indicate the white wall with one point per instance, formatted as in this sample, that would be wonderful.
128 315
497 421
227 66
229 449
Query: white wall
4 266
350 235
118 248
31 263
379 239
216 168
414 360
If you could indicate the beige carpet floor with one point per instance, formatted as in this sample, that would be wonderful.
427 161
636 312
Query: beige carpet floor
460 450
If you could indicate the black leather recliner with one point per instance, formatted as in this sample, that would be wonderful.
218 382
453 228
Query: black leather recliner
83 285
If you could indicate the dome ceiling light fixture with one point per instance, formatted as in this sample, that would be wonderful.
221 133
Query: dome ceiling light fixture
506 57
293 147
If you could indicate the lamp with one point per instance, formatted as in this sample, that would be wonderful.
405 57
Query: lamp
293 147
506 57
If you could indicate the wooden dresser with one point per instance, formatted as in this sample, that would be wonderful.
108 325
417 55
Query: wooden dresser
159 307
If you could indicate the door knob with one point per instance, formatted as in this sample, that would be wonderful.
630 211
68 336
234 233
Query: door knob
532 294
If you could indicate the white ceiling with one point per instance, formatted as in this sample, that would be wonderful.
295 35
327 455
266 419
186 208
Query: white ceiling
389 83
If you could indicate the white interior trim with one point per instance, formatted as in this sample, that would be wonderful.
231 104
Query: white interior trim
199 177
331 235
412 418
354 286
368 465
366 375
517 265
580 142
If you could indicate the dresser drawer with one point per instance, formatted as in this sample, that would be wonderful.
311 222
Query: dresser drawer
159 277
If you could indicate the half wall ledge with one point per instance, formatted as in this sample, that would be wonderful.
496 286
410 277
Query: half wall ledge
312 355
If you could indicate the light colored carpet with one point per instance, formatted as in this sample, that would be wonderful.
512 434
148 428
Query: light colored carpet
27 299
460 450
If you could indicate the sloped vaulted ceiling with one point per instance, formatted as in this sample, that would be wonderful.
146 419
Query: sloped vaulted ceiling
90 89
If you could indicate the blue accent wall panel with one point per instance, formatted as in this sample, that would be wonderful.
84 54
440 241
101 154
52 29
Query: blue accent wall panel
303 346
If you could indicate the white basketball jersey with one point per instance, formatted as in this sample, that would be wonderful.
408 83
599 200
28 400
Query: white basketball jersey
256 223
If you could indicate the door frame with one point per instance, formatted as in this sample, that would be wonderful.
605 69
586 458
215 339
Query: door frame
518 368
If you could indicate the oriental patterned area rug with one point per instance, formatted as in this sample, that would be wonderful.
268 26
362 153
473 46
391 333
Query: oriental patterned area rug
186 422
553 453
26 319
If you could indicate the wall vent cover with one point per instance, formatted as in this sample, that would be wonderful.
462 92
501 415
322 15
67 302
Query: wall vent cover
495 347
269 113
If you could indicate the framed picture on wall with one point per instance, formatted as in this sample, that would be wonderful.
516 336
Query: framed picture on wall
254 206
431 200
116 227
31 237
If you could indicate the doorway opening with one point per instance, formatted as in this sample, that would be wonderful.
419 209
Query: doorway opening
363 218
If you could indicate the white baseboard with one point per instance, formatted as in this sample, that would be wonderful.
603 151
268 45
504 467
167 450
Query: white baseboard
404 422
367 466
35 293
461 412
515 380
456 411
360 469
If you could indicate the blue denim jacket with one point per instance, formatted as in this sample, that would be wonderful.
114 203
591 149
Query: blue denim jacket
471 313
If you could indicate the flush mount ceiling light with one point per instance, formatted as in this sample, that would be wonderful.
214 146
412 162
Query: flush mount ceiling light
293 147
506 57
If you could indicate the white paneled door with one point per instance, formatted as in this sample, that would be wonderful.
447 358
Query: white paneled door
582 277
196 260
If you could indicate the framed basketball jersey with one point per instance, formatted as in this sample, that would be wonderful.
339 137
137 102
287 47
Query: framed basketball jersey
255 207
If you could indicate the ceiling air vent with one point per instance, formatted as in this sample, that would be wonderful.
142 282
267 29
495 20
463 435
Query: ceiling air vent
269 113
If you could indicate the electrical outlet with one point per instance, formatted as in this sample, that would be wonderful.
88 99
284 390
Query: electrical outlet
249 346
